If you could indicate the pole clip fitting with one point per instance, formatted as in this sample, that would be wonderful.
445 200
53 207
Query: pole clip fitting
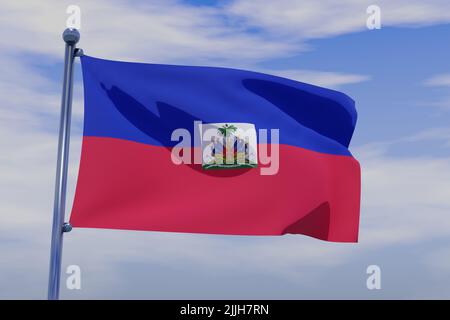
66 227
78 52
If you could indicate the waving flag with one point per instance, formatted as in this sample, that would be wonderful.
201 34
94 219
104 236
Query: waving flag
214 150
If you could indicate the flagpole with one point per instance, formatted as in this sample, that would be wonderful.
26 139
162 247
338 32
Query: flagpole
70 37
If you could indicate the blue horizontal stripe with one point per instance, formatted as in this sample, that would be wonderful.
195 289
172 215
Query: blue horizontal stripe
146 102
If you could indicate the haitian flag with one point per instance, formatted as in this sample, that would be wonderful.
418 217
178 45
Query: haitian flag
214 150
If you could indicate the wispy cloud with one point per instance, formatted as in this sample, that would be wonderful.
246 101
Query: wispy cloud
441 80
404 197
303 19
321 78
158 31
168 30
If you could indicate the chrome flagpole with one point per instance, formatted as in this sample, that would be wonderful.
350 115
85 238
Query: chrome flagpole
71 37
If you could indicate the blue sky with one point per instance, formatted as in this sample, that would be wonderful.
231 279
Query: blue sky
399 77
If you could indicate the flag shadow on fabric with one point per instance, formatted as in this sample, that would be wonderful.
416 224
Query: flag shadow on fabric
337 123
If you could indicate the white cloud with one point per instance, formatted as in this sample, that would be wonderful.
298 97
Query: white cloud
157 31
320 78
167 31
303 19
406 199
434 134
441 80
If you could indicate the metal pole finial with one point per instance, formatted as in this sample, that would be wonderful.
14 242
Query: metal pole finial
71 36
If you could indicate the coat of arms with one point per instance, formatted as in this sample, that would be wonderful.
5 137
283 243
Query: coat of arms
229 146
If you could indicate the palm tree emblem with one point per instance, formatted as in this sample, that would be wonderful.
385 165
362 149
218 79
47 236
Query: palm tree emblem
227 130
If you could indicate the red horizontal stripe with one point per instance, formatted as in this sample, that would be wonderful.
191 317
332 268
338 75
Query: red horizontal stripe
128 185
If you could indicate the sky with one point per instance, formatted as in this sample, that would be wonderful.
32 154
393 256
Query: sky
398 75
